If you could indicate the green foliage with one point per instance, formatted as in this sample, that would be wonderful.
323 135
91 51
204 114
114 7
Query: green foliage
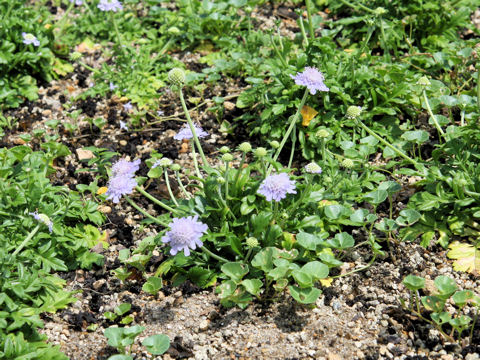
31 252
446 290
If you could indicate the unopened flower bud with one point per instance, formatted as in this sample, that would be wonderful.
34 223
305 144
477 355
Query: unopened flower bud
175 167
285 215
252 242
423 81
322 133
260 152
165 162
380 11
173 30
75 56
353 112
245 147
176 76
313 168
275 144
220 180
347 163
224 149
227 157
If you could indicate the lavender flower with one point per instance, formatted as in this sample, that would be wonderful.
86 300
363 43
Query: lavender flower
119 186
30 39
43 219
128 106
185 133
164 162
77 2
124 168
276 187
313 168
110 5
112 86
312 79
160 112
185 234
123 125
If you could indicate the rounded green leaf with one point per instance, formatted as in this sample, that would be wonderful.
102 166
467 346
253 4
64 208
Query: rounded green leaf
376 197
408 217
461 297
304 296
157 344
253 286
315 269
234 270
308 241
413 282
445 285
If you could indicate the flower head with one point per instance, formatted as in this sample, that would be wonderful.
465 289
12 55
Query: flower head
313 168
43 219
312 79
119 186
128 106
77 2
112 86
30 39
123 125
186 133
163 162
160 112
110 5
185 234
276 187
353 112
124 168
176 76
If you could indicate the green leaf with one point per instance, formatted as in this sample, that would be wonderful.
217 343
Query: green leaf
342 241
234 270
413 283
433 303
462 297
303 279
157 344
114 336
308 241
253 286
417 136
376 197
122 309
408 217
336 211
120 357
445 285
315 269
152 285
304 296
441 318
467 257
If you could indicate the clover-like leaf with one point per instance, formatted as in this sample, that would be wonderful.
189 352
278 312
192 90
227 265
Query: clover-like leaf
157 344
342 241
408 217
460 298
315 269
253 286
304 296
445 285
413 283
234 270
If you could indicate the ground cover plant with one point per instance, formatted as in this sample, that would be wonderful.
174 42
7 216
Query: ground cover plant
351 127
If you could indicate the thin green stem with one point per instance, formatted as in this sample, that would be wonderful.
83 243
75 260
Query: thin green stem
386 50
195 162
185 192
357 6
384 142
29 237
156 201
88 67
429 109
237 175
192 128
308 4
227 167
142 211
167 181
357 270
478 88
282 60
215 256
289 130
302 29
292 151
119 38
63 20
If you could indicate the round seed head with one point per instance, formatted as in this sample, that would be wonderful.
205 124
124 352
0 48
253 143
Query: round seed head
260 152
220 180
175 167
323 133
347 163
227 157
275 144
224 149
165 162
252 242
423 81
245 147
176 76
353 112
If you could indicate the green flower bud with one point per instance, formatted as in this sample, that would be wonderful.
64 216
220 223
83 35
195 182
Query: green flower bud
353 112
227 157
322 133
347 163
423 81
220 180
165 162
285 215
175 167
224 149
275 144
173 30
260 152
379 11
245 147
176 76
252 242
75 56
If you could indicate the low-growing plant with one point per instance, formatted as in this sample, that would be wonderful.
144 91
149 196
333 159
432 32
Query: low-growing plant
440 316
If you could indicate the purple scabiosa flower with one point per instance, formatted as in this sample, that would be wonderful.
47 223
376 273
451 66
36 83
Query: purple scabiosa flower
43 219
112 86
119 186
276 187
185 234
185 133
110 5
124 168
77 2
128 106
313 168
30 39
123 125
312 79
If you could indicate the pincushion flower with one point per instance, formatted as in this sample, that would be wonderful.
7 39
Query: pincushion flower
276 187
123 125
312 79
112 86
30 39
110 5
77 2
185 132
119 186
313 168
43 219
128 106
185 234
125 168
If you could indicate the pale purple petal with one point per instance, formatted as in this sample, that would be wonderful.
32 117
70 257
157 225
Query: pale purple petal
276 187
185 234
312 79
185 132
